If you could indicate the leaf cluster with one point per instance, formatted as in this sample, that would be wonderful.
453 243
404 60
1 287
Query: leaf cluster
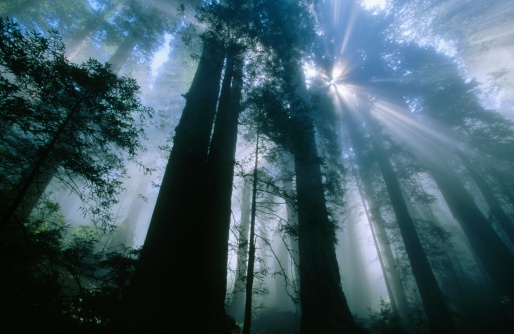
78 121
58 277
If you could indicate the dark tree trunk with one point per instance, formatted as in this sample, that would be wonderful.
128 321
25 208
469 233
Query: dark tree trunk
36 190
170 286
391 267
291 214
381 260
219 178
494 255
495 207
323 304
503 184
391 274
439 317
41 171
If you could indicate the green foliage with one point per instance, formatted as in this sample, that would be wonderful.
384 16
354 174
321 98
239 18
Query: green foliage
55 277
77 122
382 321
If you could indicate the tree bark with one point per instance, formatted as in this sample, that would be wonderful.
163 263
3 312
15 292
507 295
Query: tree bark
391 274
170 286
381 260
219 178
495 207
496 258
323 303
440 320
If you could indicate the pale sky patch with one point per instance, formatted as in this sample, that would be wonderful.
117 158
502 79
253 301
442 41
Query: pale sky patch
162 55
374 4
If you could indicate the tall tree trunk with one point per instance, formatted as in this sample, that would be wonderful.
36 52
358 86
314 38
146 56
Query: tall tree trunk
169 288
119 58
437 312
42 166
391 265
238 296
282 266
392 276
219 178
251 253
323 303
495 207
357 294
79 39
496 258
291 214
381 260
504 186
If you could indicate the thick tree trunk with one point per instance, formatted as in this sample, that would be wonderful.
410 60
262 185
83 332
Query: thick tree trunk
292 218
170 286
391 274
323 304
496 258
437 312
36 190
219 178
504 186
495 207
381 260
398 289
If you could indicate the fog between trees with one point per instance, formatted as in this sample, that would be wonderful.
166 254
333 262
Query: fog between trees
352 159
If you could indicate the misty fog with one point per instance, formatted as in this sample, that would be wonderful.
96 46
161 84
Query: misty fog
410 106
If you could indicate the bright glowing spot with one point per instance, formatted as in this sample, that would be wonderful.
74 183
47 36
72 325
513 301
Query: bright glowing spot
337 72
310 71
162 55
374 4
337 76
446 47
94 4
